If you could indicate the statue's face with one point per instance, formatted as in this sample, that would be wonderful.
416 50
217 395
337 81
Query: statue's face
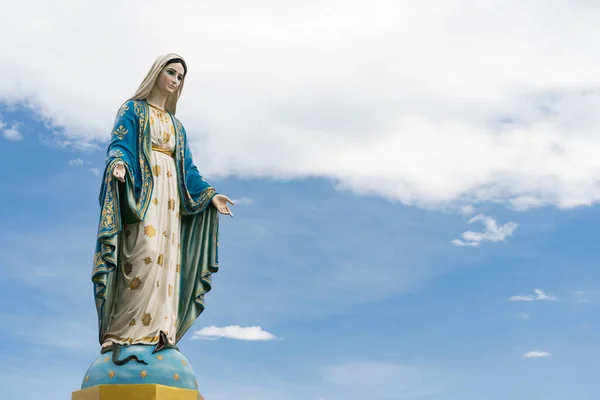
170 78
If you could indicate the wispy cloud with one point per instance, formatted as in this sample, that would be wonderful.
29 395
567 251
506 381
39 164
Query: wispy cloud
250 333
524 316
467 209
13 133
460 243
580 296
536 354
95 171
242 201
539 295
492 232
76 162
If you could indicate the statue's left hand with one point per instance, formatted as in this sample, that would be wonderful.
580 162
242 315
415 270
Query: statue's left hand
220 202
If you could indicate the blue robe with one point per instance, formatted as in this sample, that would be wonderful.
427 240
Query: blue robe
126 203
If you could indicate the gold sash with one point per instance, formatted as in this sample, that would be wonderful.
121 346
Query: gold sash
164 151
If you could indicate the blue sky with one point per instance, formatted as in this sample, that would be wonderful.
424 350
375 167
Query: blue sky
417 192
366 297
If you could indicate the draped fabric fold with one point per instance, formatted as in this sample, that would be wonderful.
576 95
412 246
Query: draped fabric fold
127 203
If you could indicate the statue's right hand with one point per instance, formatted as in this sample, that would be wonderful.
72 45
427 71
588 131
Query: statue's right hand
119 172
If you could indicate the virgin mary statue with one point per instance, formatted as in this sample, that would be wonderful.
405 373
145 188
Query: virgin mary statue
158 232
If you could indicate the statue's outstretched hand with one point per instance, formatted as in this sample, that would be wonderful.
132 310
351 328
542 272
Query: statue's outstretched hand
119 172
220 202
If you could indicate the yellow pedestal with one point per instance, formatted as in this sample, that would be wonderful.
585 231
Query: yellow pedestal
136 392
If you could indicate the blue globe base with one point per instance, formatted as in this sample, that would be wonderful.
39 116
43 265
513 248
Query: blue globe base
167 367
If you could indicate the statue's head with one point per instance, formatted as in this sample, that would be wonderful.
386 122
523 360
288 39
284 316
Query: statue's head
167 75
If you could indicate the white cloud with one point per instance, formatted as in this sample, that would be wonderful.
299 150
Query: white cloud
460 243
13 133
76 162
536 354
95 171
524 316
467 209
242 201
251 333
491 233
462 109
539 295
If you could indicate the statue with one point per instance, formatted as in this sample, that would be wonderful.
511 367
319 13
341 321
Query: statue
157 242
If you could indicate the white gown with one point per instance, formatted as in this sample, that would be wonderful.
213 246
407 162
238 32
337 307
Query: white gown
146 301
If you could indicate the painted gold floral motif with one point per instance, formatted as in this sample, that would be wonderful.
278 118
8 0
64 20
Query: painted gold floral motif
171 204
116 153
160 260
123 110
155 202
132 322
169 174
147 260
150 231
146 319
120 132
156 170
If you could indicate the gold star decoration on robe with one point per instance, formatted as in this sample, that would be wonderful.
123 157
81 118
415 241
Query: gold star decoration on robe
176 377
170 290
160 259
111 374
155 202
150 231
148 260
143 374
171 204
132 322
136 283
156 170
146 319
128 268
159 357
